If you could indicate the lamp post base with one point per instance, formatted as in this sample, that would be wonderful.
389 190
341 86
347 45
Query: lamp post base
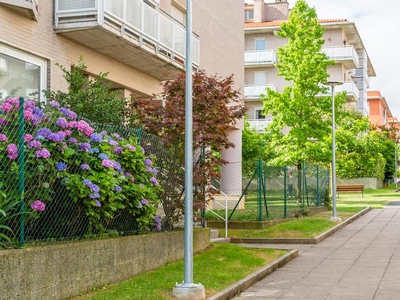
335 219
189 291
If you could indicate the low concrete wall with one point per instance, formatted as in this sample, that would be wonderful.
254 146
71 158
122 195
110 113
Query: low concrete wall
64 270
369 183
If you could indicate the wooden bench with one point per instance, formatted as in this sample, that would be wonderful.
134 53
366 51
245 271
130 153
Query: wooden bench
350 188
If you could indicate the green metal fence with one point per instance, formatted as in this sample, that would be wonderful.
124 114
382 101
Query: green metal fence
280 192
39 201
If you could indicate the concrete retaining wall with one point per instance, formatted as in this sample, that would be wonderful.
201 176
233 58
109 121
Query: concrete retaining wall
64 270
369 183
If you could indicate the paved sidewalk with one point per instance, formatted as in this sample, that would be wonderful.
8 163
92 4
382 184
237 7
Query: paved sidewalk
359 262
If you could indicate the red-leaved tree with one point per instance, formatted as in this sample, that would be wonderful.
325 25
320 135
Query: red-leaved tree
216 109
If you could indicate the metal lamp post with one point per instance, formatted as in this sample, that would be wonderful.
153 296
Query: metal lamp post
188 290
334 217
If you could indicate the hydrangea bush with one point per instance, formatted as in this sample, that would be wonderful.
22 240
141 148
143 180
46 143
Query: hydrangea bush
104 174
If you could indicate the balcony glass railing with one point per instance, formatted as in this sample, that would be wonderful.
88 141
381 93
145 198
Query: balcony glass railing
134 16
255 92
342 53
260 57
259 124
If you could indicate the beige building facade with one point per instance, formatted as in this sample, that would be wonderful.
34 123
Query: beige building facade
140 43
343 44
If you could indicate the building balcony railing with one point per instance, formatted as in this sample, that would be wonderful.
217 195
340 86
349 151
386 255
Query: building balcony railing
259 124
255 92
353 93
130 31
346 55
260 58
29 8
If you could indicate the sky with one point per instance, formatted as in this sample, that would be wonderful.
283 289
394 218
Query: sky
378 23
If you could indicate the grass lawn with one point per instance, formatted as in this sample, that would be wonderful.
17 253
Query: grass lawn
224 264
216 268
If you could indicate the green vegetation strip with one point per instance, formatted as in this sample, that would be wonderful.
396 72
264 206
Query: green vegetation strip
216 268
305 227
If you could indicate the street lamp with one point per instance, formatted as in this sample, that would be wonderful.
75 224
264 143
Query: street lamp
334 217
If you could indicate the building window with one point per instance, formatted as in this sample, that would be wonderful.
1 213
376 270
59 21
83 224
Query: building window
248 14
21 74
258 113
261 45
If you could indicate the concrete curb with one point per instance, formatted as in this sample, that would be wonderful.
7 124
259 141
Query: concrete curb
315 240
247 282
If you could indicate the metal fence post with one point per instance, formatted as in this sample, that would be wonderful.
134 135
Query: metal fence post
317 195
259 187
21 167
284 193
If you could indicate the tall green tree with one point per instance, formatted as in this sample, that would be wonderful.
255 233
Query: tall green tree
301 120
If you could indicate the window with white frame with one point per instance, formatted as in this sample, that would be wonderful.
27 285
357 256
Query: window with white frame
249 14
261 45
21 74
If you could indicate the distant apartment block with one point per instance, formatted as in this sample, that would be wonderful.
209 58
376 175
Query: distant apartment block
343 44
379 111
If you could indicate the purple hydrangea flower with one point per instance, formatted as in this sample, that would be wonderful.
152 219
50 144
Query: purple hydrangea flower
70 114
28 137
61 166
12 151
144 201
54 104
107 163
112 142
87 182
130 147
44 132
117 188
85 167
148 162
43 153
62 122
103 133
85 146
157 220
95 188
38 205
94 195
3 121
118 150
116 165
98 203
38 113
56 137
34 144
154 181
117 136
3 138
72 140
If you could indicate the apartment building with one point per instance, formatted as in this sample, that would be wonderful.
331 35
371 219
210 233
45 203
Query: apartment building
343 44
379 111
139 42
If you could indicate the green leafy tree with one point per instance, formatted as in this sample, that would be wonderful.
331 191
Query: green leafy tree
216 109
92 99
301 121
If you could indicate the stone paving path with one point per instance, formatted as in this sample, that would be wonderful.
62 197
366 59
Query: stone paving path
359 262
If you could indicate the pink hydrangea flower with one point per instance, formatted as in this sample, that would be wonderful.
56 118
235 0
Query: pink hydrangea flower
38 205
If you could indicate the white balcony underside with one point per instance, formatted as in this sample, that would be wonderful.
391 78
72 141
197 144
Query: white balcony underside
128 31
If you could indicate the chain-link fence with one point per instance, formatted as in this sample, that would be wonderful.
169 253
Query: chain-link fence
272 192
62 179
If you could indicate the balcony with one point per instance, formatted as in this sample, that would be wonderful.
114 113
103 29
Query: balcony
259 124
259 58
255 92
129 31
346 55
353 93
27 8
